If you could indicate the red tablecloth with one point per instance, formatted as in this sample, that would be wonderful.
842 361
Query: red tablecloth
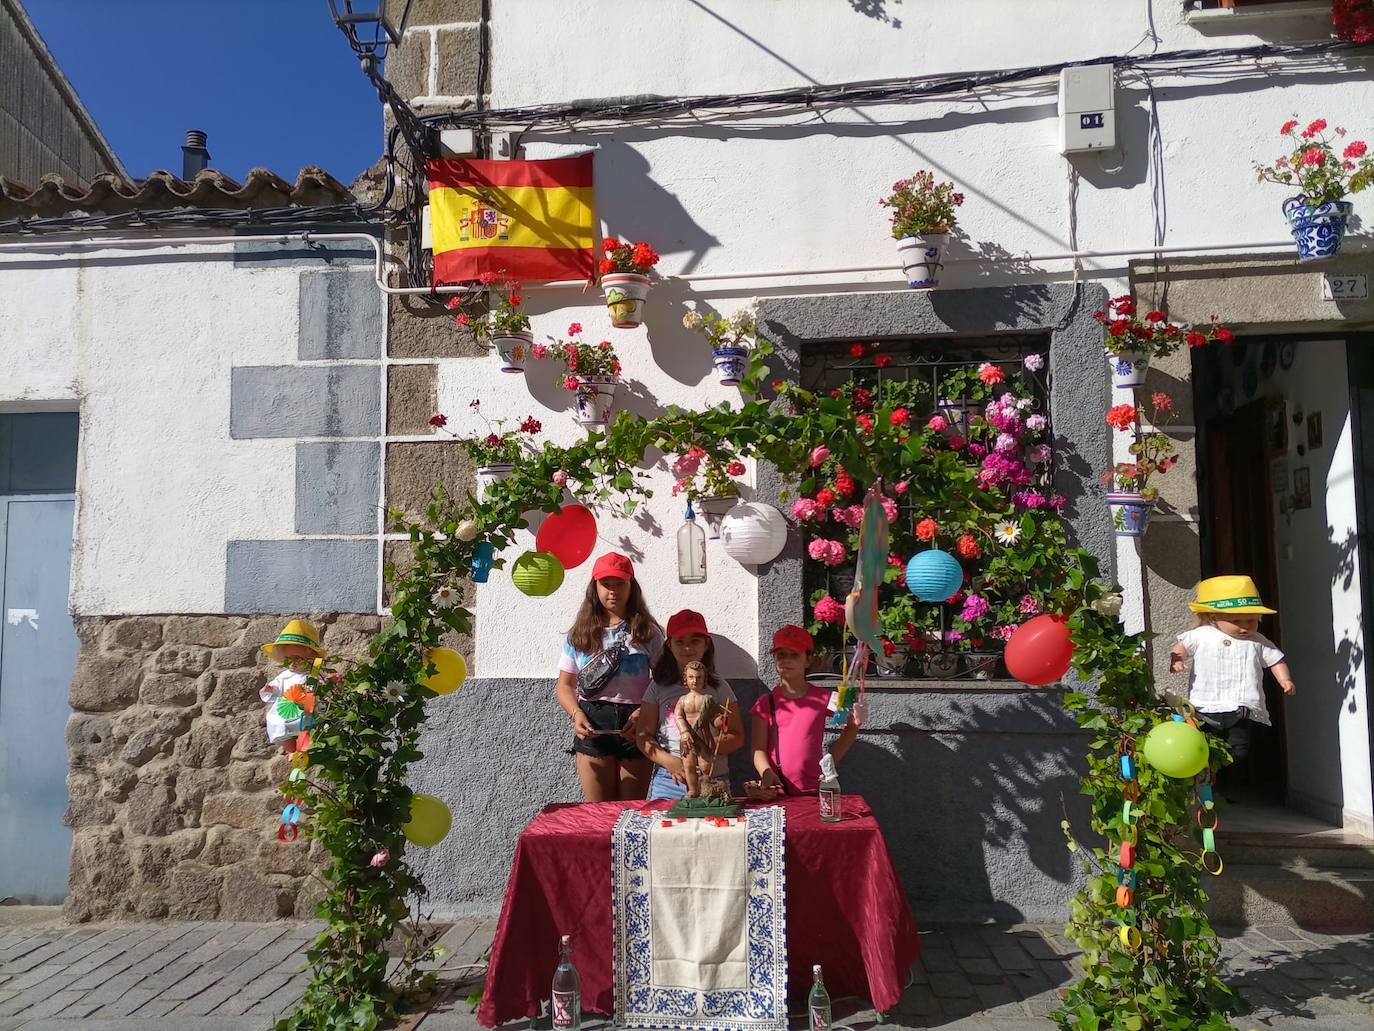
845 909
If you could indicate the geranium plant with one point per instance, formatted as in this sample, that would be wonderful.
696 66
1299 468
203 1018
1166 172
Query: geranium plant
1152 334
1323 169
1152 449
622 256
738 330
499 446
921 206
700 475
581 359
502 316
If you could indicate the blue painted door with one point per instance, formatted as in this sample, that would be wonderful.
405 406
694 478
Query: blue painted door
37 657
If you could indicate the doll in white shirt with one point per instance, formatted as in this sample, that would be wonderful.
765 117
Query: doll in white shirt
290 700
1225 657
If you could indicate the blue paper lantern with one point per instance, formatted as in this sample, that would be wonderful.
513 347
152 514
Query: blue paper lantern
934 575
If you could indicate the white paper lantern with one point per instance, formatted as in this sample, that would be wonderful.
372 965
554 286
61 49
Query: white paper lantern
753 533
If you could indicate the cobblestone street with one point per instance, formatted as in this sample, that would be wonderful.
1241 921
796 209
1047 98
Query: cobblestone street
212 976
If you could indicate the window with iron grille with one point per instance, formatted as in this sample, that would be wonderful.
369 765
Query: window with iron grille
938 377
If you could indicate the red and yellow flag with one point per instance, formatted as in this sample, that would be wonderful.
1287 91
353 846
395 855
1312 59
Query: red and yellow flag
523 220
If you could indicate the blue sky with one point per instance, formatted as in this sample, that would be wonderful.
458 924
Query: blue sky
272 82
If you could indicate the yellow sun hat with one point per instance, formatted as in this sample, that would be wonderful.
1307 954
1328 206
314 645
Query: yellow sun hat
1230 595
298 631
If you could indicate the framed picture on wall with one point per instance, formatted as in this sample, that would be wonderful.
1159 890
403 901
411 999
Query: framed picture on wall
1314 430
1275 426
1302 487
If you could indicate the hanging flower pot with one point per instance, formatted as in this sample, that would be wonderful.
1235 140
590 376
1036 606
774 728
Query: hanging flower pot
626 293
921 262
1128 368
595 400
731 364
1130 513
513 349
1318 229
713 511
489 474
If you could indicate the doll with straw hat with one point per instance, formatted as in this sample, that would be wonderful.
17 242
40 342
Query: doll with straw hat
1225 657
290 702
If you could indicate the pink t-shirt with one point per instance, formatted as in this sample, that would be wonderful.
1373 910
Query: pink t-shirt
795 746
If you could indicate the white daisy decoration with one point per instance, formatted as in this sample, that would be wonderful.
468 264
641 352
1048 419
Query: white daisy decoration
1007 532
395 689
446 597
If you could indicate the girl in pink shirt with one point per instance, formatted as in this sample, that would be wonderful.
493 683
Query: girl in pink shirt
789 722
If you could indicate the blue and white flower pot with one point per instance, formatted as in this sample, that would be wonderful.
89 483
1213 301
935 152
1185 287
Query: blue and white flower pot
1318 230
921 259
595 400
731 364
513 349
1130 513
1129 368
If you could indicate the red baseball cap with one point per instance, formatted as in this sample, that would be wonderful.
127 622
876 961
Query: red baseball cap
794 637
613 564
680 624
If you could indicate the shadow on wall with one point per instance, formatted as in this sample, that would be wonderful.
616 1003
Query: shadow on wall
970 790
1350 673
878 11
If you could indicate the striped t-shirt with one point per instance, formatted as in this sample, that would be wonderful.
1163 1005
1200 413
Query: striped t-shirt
631 680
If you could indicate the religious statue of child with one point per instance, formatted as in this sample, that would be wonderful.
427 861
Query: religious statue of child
700 722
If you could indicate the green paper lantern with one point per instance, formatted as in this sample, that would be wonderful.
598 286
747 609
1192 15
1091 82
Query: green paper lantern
1176 750
430 821
537 573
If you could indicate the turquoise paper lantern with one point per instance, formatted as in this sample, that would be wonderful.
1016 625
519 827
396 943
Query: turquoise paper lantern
537 573
934 575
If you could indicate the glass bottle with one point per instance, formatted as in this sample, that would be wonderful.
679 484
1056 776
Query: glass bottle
818 1005
691 550
566 1001
830 790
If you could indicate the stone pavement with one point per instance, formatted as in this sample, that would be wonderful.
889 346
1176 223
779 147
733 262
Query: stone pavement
210 976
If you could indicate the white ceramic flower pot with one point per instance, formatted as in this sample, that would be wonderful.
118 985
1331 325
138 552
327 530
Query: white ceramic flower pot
626 293
921 259
981 665
1129 368
713 511
893 665
513 350
489 474
595 400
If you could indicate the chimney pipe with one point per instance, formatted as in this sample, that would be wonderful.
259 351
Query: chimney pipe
194 157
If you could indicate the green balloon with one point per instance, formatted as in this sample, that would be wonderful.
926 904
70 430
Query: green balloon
1176 750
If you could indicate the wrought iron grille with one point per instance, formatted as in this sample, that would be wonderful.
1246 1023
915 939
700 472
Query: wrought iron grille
913 373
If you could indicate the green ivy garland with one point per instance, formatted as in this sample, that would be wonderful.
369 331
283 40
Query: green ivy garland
369 715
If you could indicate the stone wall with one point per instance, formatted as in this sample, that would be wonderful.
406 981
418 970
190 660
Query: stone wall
173 783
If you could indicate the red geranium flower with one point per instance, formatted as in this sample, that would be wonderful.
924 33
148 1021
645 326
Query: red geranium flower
610 244
866 421
1162 401
884 360
1354 150
1288 126
735 468
968 546
857 350
1155 316
438 420
1195 339
825 496
1122 417
899 417
1225 336
926 529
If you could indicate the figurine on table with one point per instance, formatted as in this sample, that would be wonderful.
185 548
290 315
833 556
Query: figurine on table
700 722
290 701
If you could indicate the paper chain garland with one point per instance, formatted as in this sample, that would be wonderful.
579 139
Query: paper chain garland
296 703
1129 933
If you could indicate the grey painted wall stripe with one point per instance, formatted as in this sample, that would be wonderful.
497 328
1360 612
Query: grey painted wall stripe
304 401
337 487
301 576
340 315
295 254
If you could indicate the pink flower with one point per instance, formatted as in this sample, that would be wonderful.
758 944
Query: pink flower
1354 150
1007 443
1059 503
956 442
850 516
538 351
991 374
975 608
836 554
902 487
560 478
805 509
1034 362
380 859
1288 126
938 423
1029 606
1314 156
570 382
889 509
687 465
574 329
819 455
1040 454
1314 127
735 468
1036 423
818 548
828 610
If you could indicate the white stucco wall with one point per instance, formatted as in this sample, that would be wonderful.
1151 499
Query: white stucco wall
146 347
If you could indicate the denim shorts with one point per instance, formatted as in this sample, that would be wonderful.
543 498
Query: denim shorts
663 786
607 716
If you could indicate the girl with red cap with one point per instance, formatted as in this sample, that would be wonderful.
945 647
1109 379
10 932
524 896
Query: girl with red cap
788 730
659 737
613 627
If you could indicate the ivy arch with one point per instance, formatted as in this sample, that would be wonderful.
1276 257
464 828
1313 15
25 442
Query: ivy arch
369 714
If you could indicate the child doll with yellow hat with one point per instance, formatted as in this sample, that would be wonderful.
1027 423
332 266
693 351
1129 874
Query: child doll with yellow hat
290 702
1228 656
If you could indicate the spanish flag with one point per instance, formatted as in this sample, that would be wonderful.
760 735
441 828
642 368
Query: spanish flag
523 220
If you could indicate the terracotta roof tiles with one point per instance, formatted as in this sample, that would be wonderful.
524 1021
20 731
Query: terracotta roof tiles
112 194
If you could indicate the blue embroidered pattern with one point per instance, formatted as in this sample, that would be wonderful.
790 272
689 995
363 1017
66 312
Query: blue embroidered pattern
639 1003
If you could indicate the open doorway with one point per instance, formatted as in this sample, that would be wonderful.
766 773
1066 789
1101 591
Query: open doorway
1281 496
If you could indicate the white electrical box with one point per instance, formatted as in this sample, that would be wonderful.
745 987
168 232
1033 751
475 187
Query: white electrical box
457 143
1087 108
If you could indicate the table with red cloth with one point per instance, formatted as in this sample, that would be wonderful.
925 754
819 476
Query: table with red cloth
846 909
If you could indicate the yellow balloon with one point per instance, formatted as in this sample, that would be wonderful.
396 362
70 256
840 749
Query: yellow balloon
429 822
450 671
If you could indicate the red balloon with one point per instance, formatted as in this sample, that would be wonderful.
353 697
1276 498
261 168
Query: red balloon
1040 650
569 534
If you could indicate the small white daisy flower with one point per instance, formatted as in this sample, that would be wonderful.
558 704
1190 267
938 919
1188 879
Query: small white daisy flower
395 689
1007 532
446 597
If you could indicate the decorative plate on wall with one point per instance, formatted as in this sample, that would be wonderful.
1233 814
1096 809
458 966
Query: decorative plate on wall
1286 353
1249 381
